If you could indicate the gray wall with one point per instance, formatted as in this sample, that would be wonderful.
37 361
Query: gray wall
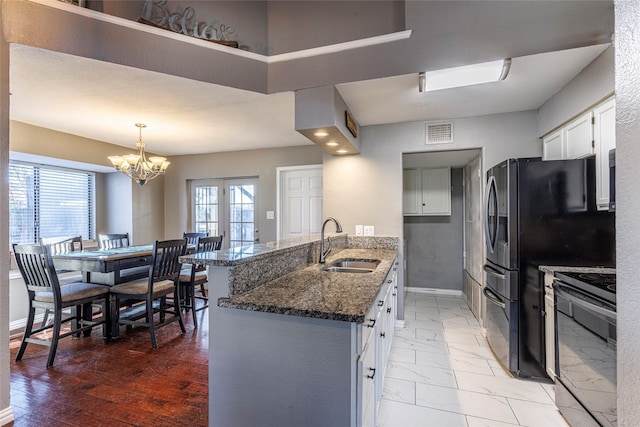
593 84
434 245
5 409
627 63
251 163
367 188
117 213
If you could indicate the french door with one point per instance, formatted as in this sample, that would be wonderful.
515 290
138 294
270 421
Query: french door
225 207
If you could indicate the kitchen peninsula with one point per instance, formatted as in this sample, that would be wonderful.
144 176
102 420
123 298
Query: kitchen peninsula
293 344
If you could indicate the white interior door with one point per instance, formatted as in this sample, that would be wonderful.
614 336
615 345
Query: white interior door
300 201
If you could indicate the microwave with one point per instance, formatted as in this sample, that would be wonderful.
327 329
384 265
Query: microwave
612 180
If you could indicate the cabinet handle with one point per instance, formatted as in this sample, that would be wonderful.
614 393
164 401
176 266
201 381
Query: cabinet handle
372 323
389 310
373 373
383 334
389 281
380 303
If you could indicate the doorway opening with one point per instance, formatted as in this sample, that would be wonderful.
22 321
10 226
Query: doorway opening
443 236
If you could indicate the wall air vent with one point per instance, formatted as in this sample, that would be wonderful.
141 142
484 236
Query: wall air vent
439 133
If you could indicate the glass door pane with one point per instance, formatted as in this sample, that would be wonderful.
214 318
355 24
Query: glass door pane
242 208
206 196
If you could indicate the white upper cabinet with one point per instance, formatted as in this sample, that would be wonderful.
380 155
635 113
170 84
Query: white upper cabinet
578 136
604 136
593 132
553 146
427 191
411 195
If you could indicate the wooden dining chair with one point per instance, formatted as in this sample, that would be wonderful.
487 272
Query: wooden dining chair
153 291
192 238
63 245
194 275
43 287
113 240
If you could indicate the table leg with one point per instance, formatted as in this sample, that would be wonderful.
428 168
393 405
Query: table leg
114 328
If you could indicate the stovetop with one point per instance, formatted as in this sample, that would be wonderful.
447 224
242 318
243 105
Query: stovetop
602 285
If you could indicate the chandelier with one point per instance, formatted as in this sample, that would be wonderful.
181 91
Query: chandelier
136 166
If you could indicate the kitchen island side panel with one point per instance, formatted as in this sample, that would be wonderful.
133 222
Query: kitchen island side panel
274 370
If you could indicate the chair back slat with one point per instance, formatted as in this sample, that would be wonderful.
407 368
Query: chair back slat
113 240
192 238
36 266
208 244
166 264
62 245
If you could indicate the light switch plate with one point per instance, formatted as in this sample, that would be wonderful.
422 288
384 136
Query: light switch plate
359 230
270 215
368 230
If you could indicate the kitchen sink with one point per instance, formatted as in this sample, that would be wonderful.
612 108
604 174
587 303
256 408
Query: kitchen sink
350 265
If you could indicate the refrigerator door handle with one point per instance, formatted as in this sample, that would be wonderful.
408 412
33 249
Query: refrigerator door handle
492 271
493 298
491 188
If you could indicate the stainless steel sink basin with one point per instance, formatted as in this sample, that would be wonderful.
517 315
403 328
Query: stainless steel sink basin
350 265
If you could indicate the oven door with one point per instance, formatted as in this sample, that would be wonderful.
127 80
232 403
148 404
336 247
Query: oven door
502 327
586 356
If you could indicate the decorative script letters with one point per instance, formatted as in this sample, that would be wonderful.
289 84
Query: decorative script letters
155 11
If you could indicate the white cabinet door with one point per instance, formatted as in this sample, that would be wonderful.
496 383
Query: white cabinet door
436 191
412 192
604 136
578 136
549 326
367 367
553 146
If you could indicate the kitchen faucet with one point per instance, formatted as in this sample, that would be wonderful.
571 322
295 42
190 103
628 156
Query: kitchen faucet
323 252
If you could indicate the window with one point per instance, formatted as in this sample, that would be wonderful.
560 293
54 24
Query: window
45 201
241 211
206 205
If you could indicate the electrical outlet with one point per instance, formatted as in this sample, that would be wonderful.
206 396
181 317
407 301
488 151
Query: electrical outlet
359 230
368 230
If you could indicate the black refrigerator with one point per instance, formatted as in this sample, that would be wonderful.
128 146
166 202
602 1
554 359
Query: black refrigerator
536 213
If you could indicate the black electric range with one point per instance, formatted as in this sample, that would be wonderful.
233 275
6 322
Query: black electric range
586 348
602 285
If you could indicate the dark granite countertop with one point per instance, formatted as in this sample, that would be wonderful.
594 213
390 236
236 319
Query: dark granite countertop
313 292
553 268
247 253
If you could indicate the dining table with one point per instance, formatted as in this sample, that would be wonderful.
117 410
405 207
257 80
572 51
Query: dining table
109 267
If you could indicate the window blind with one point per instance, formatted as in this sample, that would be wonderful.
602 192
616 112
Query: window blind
45 201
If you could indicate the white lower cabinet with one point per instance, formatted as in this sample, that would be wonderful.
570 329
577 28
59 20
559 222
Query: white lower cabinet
549 325
367 366
377 336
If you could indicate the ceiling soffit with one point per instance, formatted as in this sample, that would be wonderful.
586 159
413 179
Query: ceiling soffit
444 34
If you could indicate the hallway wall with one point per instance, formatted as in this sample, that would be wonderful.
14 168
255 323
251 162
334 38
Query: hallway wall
434 245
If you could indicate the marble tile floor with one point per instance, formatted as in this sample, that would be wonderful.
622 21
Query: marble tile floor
441 372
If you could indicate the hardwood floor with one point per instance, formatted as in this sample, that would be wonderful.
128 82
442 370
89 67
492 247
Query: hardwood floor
122 383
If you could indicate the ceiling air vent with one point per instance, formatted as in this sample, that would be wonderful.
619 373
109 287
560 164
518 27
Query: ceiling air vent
439 133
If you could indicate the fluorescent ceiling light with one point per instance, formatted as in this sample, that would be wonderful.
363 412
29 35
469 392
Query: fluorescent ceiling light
464 76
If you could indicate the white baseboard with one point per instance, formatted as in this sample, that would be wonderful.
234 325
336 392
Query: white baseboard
399 324
433 291
6 416
21 323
